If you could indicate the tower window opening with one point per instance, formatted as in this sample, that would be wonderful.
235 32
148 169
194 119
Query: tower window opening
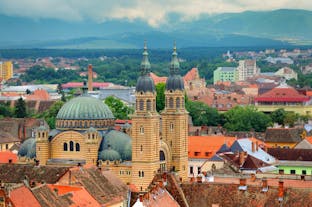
171 127
65 146
178 103
71 146
141 105
77 147
141 148
148 105
141 130
171 102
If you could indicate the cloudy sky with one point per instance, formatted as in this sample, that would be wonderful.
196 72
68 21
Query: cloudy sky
154 12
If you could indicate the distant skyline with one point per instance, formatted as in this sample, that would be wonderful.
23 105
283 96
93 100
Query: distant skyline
154 13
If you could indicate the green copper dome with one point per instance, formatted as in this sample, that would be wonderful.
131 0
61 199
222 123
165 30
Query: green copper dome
109 154
84 108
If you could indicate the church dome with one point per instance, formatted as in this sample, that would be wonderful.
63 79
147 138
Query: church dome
145 84
119 142
84 108
109 154
175 82
28 148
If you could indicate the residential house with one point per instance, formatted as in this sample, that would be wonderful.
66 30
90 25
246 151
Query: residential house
287 73
7 141
283 137
293 161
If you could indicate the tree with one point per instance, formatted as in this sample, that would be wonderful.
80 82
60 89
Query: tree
20 108
5 110
50 114
290 118
118 108
160 98
278 116
246 118
202 114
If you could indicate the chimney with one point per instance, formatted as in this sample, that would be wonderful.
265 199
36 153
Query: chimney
257 146
265 186
253 146
241 158
242 184
280 190
90 78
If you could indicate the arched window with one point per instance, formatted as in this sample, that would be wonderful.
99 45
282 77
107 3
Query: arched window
178 103
139 173
93 136
77 147
141 148
171 127
141 106
142 173
171 102
65 146
71 146
148 105
183 102
141 130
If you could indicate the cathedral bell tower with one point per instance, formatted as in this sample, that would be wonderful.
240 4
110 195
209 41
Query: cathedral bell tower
175 120
145 129
42 144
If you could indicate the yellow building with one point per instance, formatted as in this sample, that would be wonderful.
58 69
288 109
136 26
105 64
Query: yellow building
84 133
6 70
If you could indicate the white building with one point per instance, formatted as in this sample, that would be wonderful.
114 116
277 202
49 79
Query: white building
247 69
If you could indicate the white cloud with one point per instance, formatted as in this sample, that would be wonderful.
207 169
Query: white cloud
151 11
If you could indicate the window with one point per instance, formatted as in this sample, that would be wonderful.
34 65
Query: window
304 172
171 102
171 127
6 146
198 170
92 136
77 147
65 146
148 105
141 130
191 170
71 146
196 153
178 103
139 173
141 105
141 148
293 172
281 172
142 173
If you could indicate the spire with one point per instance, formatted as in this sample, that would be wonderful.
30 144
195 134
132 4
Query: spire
174 64
145 64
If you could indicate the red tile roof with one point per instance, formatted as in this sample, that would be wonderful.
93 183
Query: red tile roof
80 195
39 94
80 84
207 146
282 94
158 79
6 156
22 197
191 75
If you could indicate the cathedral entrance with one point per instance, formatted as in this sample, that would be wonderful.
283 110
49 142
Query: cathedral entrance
162 161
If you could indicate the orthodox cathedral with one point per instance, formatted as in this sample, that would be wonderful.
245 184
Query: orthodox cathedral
85 132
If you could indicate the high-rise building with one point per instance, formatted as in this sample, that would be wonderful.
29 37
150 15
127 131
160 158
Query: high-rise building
6 70
247 69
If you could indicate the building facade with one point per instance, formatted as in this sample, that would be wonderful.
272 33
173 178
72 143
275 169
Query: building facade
222 74
247 69
6 70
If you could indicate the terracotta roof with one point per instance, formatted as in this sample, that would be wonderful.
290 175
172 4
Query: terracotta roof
39 94
80 196
191 75
158 79
104 186
160 198
282 135
15 173
5 156
291 154
309 139
22 197
207 146
227 194
282 94
80 84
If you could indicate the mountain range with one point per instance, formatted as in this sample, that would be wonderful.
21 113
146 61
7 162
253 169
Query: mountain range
250 28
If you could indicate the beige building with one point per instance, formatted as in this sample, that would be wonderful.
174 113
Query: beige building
84 133
287 73
247 69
